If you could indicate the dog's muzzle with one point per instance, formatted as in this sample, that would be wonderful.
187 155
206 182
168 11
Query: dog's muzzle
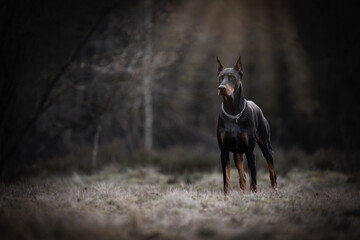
221 89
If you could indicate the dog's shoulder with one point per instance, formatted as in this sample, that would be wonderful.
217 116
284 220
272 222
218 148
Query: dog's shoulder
252 105
255 109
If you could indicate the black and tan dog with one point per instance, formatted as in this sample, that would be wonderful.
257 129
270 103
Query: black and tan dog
241 125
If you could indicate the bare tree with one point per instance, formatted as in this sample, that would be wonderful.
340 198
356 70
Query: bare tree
97 117
9 147
147 78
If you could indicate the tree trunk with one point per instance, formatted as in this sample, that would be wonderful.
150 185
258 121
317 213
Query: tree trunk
96 145
148 108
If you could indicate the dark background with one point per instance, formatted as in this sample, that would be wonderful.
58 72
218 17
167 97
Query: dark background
73 75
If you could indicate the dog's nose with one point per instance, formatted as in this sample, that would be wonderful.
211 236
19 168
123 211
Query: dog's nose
222 87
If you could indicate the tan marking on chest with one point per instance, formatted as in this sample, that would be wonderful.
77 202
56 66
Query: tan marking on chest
245 138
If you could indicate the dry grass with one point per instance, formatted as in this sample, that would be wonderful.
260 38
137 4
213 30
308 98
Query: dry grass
143 204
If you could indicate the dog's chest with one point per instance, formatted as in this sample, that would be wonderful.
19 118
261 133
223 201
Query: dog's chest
233 129
235 137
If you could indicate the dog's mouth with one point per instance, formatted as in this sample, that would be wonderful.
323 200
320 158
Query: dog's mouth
225 91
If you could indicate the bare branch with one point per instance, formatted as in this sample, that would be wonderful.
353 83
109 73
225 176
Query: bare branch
54 79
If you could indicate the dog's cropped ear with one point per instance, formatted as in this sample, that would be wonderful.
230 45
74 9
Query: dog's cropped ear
220 67
238 67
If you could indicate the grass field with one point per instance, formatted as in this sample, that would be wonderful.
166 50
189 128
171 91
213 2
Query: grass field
144 204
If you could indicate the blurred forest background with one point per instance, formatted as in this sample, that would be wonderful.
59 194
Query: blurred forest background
89 83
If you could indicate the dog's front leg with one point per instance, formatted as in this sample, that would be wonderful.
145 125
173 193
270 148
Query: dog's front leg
239 163
225 163
250 157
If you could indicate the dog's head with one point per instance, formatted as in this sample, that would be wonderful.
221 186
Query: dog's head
229 78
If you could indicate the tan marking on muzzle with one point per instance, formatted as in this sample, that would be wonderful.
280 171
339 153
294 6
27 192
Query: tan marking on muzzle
229 90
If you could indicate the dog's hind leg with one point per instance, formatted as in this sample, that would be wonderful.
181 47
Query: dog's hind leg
263 140
266 149
239 163
250 157
225 163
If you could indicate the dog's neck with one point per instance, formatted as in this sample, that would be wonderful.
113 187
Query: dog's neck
235 103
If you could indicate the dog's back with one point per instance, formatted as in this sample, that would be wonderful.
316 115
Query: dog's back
260 122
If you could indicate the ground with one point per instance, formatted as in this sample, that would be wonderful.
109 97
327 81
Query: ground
144 204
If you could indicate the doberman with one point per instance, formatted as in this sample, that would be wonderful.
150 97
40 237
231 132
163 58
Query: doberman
241 124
